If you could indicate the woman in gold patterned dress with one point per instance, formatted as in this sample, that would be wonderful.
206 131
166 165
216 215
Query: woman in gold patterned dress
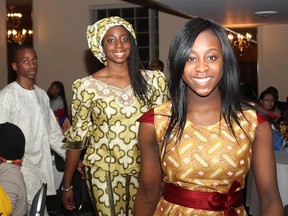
202 141
105 108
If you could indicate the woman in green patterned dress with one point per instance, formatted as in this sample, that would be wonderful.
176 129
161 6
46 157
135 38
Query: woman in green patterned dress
105 108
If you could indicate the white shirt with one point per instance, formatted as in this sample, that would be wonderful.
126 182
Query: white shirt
57 104
30 110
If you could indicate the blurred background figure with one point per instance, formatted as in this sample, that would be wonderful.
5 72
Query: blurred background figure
58 103
156 65
12 147
267 100
279 106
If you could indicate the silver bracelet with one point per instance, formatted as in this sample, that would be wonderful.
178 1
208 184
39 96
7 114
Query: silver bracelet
67 189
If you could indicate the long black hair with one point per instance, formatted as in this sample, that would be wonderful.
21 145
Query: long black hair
61 88
229 85
139 84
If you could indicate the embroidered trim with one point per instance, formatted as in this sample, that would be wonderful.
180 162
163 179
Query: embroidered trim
17 161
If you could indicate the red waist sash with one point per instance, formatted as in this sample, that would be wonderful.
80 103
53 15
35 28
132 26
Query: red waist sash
212 201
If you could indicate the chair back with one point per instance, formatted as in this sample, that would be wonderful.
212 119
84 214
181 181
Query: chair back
39 202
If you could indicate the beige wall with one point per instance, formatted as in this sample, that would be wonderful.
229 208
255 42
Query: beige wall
61 44
272 58
60 39
3 58
168 26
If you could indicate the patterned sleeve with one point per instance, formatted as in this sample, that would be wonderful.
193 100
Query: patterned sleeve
159 88
78 136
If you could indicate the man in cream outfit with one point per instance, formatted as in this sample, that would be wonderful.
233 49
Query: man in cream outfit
26 105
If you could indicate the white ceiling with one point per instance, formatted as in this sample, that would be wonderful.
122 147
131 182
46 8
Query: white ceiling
231 13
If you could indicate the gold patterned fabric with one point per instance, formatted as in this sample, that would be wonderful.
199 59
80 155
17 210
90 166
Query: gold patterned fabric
104 119
208 158
97 31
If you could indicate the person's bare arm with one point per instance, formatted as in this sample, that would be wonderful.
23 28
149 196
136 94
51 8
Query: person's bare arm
264 169
151 174
71 163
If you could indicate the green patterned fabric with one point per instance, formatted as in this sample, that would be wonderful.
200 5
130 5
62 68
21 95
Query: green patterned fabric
113 193
104 120
106 115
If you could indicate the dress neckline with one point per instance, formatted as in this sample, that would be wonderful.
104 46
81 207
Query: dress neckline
111 86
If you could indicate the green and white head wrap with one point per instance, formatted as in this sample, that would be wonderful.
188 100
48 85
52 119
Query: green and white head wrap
97 31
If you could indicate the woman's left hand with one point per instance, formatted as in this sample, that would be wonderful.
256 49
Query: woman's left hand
66 125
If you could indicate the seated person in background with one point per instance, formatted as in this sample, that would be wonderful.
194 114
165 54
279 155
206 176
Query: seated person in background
267 100
12 145
156 65
279 106
58 101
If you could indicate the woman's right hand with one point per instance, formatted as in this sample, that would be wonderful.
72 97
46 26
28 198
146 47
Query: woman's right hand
67 199
81 169
71 162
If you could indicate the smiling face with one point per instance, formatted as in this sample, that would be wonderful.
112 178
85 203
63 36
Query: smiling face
268 101
116 45
26 64
204 67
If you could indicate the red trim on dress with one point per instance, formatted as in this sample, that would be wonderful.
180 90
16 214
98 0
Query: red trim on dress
147 117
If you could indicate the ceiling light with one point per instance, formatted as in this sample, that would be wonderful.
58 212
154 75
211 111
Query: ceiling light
265 14
239 42
15 32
